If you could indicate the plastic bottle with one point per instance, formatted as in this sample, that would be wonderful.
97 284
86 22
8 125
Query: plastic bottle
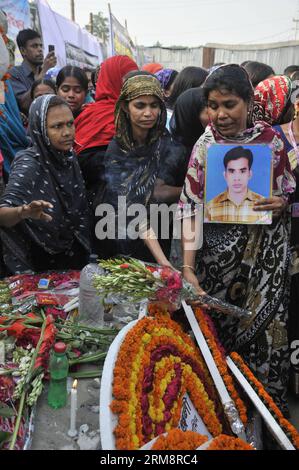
91 308
58 368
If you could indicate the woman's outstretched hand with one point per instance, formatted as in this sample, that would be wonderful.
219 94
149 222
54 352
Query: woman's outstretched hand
35 210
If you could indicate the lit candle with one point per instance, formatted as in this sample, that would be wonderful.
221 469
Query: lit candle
72 432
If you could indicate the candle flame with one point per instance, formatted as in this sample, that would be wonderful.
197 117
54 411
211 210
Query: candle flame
75 383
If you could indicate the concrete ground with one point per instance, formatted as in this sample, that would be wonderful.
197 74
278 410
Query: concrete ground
51 426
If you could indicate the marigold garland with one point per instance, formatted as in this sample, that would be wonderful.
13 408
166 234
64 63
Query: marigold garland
176 439
156 365
267 400
219 357
224 442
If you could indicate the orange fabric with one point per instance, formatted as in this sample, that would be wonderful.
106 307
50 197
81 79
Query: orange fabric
152 67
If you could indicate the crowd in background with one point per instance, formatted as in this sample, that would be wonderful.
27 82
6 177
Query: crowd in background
73 139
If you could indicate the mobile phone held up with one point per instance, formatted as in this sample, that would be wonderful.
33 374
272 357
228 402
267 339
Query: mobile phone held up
51 48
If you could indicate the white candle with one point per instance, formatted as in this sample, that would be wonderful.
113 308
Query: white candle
72 432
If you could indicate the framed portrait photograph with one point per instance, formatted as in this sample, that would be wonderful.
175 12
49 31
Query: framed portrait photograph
237 177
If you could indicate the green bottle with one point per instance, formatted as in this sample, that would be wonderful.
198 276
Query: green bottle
58 368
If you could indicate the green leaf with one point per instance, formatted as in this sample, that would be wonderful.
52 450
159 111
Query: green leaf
4 437
6 411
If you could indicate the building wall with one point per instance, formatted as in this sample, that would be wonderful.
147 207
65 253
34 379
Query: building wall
171 58
277 55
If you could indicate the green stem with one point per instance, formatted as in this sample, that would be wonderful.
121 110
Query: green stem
81 326
6 371
86 359
91 374
18 421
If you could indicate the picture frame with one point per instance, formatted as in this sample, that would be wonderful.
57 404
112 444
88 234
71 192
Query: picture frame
236 178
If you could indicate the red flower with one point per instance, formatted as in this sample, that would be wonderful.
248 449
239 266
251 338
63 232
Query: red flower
47 343
174 281
151 269
124 266
166 273
7 386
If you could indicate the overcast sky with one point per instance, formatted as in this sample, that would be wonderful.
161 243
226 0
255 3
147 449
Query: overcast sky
195 22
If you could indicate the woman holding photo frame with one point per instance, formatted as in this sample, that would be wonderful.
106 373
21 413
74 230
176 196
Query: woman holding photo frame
246 265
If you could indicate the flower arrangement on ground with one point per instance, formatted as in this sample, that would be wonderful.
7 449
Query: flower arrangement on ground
28 339
176 439
157 364
218 353
287 427
224 442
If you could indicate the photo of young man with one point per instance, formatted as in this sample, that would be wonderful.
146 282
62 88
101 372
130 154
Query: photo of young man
236 203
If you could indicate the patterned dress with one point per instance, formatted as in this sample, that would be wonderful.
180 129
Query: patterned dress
248 266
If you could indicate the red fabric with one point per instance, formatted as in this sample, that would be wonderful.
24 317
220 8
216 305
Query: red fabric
95 124
152 67
273 94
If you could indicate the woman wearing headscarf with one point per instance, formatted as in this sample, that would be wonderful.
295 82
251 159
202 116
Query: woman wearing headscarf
272 100
95 125
152 67
46 171
12 133
166 78
142 163
246 265
190 117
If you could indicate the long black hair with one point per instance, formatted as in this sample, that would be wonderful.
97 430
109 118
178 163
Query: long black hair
185 125
258 72
189 77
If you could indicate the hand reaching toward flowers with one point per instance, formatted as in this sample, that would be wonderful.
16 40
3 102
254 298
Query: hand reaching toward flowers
10 216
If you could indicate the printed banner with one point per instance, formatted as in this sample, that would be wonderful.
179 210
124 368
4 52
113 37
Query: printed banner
122 44
18 15
73 45
76 56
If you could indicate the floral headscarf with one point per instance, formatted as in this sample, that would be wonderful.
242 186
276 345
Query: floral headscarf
134 87
273 95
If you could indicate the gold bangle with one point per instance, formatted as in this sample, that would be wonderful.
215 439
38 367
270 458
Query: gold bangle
187 266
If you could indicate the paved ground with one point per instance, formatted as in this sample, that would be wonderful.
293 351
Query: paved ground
51 426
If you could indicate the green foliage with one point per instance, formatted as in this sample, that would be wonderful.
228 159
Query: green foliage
100 26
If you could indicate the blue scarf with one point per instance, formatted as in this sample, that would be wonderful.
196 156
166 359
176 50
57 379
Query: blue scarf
12 133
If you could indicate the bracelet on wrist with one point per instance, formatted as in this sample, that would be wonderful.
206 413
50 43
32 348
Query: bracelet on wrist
187 266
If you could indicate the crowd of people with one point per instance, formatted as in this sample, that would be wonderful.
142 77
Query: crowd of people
75 144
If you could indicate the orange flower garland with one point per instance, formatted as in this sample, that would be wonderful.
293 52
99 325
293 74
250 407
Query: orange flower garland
156 365
221 363
267 400
224 442
179 440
